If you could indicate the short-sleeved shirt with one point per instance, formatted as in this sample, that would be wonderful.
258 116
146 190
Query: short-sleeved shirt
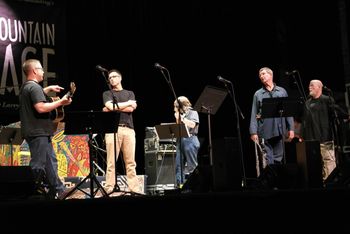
193 115
121 96
34 123
316 122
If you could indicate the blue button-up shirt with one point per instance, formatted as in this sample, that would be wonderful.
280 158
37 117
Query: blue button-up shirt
268 127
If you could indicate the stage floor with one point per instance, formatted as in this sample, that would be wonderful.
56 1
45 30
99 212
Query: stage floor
291 211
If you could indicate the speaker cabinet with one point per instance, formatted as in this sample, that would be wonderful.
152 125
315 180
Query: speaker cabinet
200 180
310 164
280 176
227 166
225 173
340 176
160 167
16 182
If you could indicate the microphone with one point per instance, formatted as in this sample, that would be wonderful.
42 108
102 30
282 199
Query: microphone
157 65
325 88
224 80
291 73
98 67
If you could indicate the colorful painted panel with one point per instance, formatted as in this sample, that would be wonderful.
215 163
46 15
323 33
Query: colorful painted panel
72 153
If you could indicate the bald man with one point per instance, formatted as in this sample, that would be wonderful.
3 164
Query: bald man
317 124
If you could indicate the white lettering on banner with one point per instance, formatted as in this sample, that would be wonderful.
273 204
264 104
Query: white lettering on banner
29 29
9 65
27 32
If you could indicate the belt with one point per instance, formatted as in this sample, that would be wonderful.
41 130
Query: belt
123 125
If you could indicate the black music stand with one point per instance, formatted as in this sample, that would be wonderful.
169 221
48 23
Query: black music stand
172 131
10 136
90 122
280 107
208 103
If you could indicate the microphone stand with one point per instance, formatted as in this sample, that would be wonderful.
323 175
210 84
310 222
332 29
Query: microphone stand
210 146
300 86
179 106
116 187
238 112
98 150
336 124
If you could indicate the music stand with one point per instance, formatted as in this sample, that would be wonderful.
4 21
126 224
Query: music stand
280 107
10 136
90 122
172 130
208 103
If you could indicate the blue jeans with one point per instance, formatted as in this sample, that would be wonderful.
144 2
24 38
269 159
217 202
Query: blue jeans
43 161
188 150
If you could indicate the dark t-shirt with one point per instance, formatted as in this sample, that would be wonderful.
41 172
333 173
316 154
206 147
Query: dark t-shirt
316 120
32 122
121 96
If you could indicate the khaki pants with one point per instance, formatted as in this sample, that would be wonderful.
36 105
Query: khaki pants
125 142
328 158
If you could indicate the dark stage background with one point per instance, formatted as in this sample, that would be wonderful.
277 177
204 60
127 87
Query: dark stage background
197 41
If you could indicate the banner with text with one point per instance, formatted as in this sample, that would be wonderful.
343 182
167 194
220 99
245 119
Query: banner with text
29 29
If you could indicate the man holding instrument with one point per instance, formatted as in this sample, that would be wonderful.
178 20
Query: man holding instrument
187 149
37 126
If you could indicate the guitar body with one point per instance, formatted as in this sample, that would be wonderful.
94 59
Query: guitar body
57 115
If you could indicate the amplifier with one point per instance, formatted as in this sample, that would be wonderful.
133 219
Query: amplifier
160 167
167 147
151 144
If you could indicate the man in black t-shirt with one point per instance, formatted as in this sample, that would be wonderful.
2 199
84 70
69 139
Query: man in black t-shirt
37 126
317 124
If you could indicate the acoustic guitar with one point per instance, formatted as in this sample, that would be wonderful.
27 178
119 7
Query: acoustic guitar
57 114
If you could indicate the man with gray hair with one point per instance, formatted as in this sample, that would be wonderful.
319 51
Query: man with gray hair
270 131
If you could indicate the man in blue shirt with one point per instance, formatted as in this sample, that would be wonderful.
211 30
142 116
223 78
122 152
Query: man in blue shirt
269 131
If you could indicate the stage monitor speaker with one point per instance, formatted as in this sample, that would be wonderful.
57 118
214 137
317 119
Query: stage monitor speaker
160 167
227 166
279 176
225 173
340 176
16 182
200 180
309 161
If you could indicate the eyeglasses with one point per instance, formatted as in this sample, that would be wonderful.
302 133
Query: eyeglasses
115 76
40 68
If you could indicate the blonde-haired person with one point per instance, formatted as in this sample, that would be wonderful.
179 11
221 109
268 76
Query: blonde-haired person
188 148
